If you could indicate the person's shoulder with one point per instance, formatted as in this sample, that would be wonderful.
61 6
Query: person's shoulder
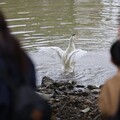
111 83
111 80
108 81
28 58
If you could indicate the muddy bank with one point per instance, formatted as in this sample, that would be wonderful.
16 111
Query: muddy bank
71 101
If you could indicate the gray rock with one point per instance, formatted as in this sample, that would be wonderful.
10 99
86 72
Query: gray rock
85 93
45 96
91 87
46 82
88 102
95 91
80 86
61 88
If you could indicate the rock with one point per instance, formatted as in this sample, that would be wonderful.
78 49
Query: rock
96 96
58 92
80 90
72 82
46 96
49 91
95 91
80 86
91 87
85 93
88 102
85 110
70 86
57 84
62 88
46 82
55 105
39 89
44 90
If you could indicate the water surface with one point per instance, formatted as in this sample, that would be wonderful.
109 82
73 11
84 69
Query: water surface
41 23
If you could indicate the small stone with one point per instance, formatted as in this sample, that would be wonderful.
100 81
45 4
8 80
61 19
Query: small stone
57 119
95 91
96 96
57 84
73 82
88 102
85 93
46 81
61 88
72 97
55 105
70 86
54 100
85 110
39 89
46 96
91 87
91 114
49 91
80 90
80 86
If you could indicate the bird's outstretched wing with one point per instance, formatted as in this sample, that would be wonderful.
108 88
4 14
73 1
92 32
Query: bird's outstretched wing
52 52
59 51
78 52
68 60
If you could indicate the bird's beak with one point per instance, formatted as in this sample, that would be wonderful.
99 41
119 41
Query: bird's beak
75 37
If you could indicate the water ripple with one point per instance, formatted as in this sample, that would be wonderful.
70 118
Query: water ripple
17 19
22 32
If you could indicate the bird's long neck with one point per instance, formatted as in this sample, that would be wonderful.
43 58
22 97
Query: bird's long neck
71 46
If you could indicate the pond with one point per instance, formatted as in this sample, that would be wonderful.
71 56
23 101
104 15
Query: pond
43 23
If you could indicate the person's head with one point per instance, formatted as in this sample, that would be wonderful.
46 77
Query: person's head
115 53
11 51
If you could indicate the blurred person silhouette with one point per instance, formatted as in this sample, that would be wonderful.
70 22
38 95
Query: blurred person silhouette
16 69
109 99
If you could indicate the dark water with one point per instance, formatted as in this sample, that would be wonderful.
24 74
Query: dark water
41 23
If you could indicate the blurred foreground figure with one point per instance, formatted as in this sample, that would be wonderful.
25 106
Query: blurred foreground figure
18 100
109 100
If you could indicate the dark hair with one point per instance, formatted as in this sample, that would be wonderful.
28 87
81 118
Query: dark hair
10 48
115 53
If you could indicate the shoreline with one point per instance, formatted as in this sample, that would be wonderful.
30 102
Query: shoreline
71 101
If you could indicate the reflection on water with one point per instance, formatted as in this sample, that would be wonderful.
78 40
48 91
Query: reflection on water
51 22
